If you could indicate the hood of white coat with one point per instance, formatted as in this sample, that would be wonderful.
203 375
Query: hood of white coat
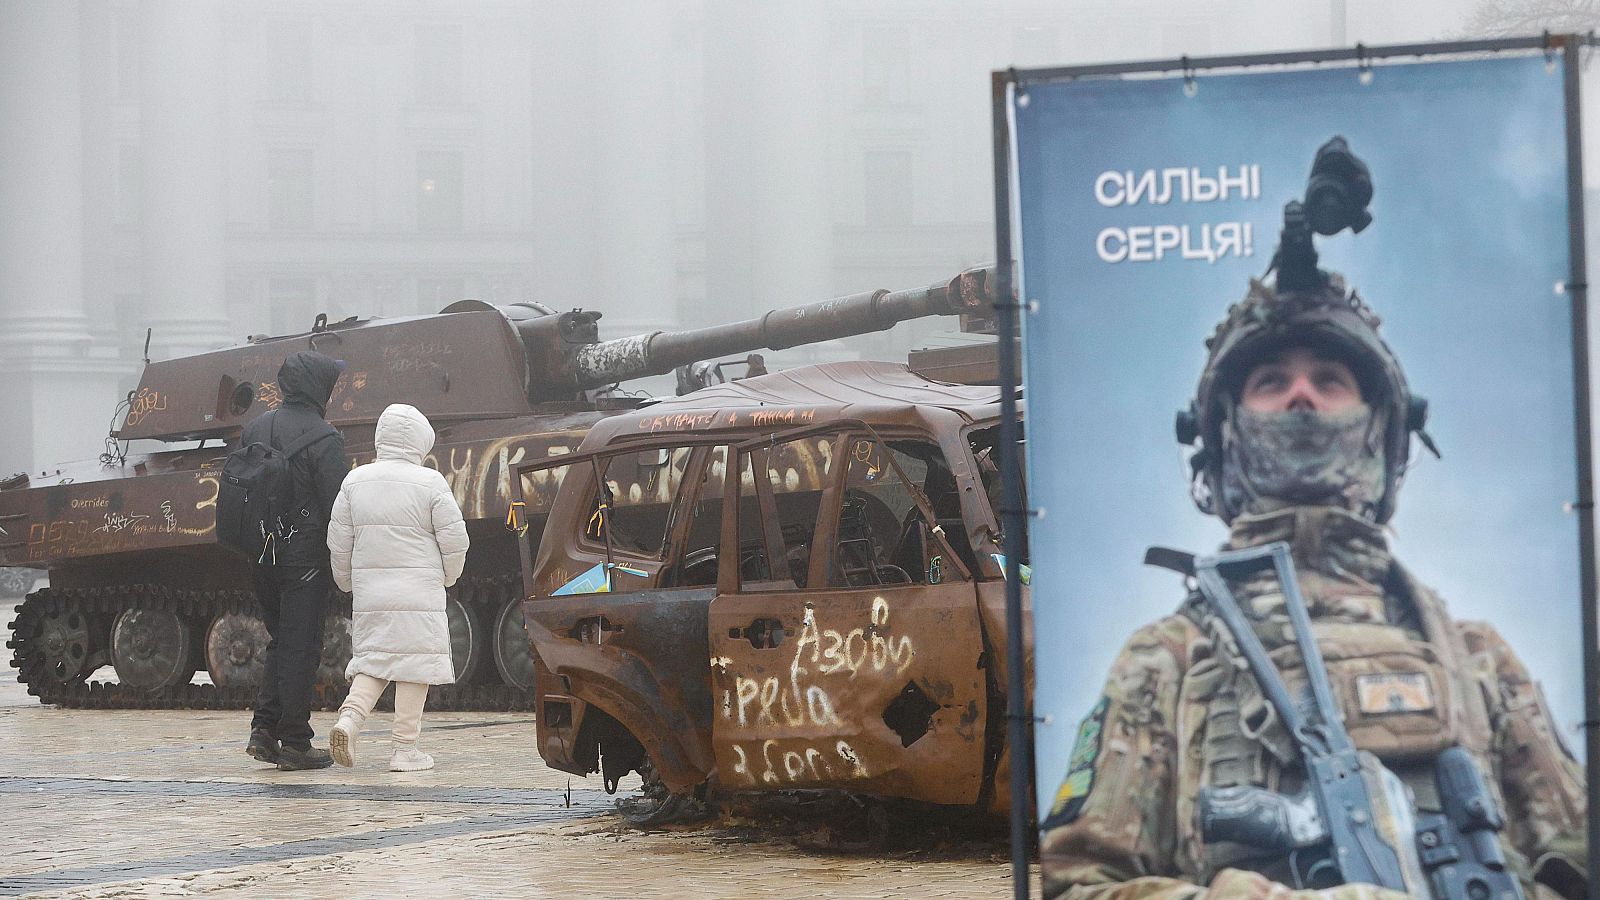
403 433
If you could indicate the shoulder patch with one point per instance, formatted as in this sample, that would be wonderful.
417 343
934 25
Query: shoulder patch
1074 791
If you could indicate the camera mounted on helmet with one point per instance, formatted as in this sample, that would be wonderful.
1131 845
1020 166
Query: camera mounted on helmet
1337 194
1309 308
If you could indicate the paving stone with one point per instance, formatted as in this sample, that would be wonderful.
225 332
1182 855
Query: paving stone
97 804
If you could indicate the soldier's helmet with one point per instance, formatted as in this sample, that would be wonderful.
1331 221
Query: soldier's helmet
1326 318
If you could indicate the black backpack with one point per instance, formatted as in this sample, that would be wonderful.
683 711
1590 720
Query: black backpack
256 494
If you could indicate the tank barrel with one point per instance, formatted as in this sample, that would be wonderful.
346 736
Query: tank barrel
657 353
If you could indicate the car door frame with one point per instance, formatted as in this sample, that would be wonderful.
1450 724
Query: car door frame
633 655
783 718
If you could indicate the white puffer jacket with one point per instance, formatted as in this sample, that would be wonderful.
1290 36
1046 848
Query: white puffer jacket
397 541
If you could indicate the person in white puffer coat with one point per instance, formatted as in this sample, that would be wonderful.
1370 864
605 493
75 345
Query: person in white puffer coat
397 540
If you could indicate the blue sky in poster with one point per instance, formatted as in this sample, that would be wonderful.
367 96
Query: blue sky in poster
1461 261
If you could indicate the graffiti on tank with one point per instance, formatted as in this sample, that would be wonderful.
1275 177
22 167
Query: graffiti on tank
144 403
269 394
345 388
795 465
343 396
415 356
100 523
53 540
210 481
480 474
119 523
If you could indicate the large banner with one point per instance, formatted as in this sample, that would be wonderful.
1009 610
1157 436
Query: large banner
1305 329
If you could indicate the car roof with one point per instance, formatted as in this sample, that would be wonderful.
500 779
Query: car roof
876 392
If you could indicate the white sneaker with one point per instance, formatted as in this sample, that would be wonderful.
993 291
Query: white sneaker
342 739
409 759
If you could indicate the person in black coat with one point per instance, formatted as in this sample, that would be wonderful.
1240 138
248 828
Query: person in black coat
293 580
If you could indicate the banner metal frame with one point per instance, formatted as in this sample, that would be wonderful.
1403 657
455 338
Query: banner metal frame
1005 86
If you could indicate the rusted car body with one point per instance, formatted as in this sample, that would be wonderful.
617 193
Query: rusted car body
138 581
786 582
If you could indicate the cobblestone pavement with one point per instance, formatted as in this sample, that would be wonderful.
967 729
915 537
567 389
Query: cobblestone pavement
139 804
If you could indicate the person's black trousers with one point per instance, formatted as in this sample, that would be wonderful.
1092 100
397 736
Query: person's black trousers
294 600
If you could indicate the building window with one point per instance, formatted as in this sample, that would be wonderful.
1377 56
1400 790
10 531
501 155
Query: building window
293 302
289 189
434 294
888 187
289 50
887 65
130 186
438 64
439 190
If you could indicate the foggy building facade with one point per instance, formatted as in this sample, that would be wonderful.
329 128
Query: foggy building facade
209 171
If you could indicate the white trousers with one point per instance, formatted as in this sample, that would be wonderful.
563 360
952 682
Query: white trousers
409 698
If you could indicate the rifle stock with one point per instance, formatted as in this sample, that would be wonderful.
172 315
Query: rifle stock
1356 798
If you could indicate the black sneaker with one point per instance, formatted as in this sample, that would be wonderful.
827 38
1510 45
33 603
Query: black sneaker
291 759
262 746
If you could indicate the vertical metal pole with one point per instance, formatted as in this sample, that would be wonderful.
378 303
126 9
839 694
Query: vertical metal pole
1013 520
1578 294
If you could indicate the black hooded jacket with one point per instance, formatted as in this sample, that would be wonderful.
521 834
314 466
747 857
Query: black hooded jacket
305 380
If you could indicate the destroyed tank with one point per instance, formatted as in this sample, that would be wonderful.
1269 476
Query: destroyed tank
792 582
137 580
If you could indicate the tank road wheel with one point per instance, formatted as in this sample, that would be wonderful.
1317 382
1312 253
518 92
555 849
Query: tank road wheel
466 633
511 654
236 650
152 650
335 653
53 641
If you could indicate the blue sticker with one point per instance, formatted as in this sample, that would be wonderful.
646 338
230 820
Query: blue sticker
1024 571
596 580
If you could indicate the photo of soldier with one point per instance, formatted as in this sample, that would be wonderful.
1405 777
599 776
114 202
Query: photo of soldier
1312 720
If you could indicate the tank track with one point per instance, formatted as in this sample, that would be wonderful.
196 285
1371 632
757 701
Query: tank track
100 605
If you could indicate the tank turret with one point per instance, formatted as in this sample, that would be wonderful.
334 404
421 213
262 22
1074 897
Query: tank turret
475 360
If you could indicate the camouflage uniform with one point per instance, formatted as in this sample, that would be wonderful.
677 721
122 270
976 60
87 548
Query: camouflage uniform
1177 716
1181 710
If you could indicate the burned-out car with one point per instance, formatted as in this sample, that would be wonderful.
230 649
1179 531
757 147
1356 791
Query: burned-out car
787 582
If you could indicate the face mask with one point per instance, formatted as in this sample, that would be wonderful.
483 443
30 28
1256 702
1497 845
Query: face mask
1302 458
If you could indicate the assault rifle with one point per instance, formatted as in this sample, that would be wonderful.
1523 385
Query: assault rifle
1353 821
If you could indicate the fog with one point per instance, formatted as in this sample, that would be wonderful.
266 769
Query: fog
208 171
